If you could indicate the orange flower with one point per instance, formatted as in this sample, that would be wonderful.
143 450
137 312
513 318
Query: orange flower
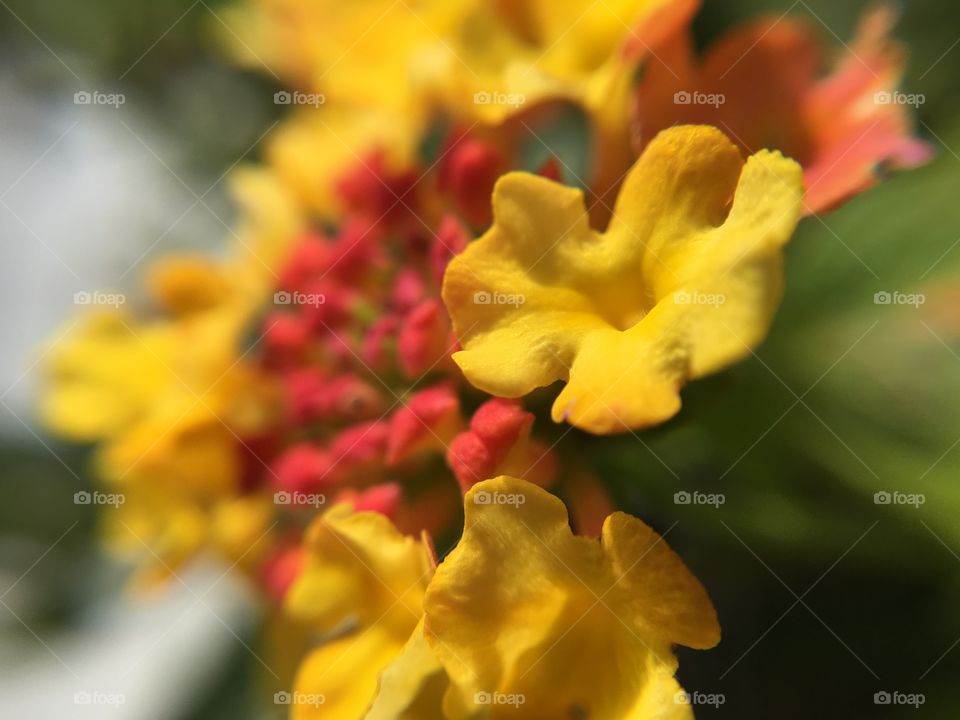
760 85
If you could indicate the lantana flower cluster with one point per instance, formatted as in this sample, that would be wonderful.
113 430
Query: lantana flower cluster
358 381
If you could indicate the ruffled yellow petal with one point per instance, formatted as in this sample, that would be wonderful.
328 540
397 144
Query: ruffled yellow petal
339 678
102 375
681 284
412 686
531 621
364 580
360 569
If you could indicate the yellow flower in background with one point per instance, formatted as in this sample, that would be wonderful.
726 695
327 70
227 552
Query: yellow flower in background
684 281
101 379
364 53
516 55
161 393
362 589
364 77
170 400
168 396
314 148
161 531
531 621
406 56
374 74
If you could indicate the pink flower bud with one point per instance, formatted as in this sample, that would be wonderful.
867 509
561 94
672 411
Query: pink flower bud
303 468
428 421
361 445
285 338
498 443
424 338
383 498
468 173
452 239
375 350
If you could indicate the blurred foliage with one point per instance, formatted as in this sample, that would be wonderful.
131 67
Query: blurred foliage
825 597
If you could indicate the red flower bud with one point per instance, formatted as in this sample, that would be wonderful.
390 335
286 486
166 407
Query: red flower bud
303 468
383 498
428 421
378 193
408 289
361 445
347 397
312 396
471 460
285 337
498 443
470 170
377 343
499 424
424 338
452 239
309 259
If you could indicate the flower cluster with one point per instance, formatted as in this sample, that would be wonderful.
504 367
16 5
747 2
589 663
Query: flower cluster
356 377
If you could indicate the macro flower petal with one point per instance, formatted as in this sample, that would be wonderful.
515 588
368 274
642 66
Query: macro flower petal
684 281
413 685
565 626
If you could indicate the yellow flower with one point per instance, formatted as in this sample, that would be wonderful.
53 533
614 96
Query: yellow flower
313 149
362 588
169 396
685 281
100 380
363 53
525 52
384 70
531 621
413 685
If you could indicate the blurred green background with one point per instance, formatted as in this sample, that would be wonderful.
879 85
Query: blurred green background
825 597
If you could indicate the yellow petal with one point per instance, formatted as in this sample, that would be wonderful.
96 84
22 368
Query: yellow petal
102 374
680 285
360 568
532 622
365 579
412 686
339 679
